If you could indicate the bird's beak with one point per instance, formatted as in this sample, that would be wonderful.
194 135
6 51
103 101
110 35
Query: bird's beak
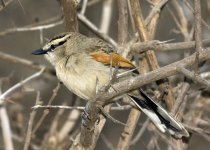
39 52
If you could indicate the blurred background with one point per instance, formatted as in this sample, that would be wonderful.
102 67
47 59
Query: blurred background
26 25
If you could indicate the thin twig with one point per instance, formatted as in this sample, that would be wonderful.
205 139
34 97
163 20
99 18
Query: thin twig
93 2
18 85
26 63
184 89
93 28
55 122
24 29
106 16
6 128
30 124
84 6
181 22
107 142
118 108
57 107
69 124
191 9
5 4
107 115
156 9
161 46
46 111
196 78
126 135
197 130
152 19
141 132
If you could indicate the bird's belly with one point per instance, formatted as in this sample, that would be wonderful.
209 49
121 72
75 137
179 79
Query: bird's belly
84 84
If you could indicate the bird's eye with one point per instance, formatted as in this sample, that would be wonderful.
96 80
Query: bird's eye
52 47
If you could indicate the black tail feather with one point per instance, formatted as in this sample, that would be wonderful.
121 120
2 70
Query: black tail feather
159 116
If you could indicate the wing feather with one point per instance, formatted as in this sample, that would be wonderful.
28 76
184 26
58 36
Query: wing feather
112 58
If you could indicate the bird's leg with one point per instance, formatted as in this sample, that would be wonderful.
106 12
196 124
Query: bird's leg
90 115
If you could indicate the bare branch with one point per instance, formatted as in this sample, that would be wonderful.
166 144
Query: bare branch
69 125
46 111
93 28
30 124
128 131
138 81
5 4
162 46
57 107
6 127
122 22
26 63
184 89
150 55
70 14
198 44
106 16
191 9
24 29
155 10
18 85
192 77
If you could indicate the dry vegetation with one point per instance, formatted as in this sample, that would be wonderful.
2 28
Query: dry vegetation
167 39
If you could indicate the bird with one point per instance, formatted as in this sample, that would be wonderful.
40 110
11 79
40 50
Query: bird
83 64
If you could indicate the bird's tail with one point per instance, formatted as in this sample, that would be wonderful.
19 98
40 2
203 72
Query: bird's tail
162 120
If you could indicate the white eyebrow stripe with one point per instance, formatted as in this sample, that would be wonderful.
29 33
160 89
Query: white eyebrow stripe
57 41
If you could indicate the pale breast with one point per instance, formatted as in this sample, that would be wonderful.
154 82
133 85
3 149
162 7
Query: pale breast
81 77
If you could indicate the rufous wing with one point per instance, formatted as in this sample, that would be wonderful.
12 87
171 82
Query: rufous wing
111 58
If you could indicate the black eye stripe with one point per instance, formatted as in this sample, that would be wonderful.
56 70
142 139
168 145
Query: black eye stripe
62 42
52 47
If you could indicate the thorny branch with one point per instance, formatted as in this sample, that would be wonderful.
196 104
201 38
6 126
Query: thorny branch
163 72
146 29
